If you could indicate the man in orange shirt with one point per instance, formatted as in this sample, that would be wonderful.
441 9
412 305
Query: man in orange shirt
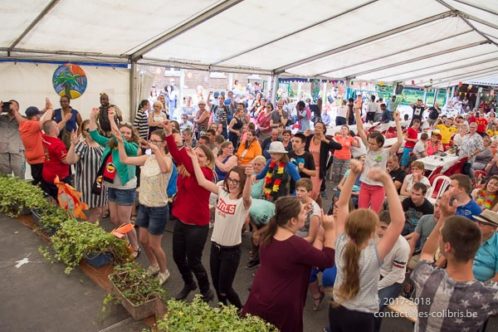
31 137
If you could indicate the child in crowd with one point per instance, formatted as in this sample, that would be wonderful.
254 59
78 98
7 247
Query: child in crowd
419 151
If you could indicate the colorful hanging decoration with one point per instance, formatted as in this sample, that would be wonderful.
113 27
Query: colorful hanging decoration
69 80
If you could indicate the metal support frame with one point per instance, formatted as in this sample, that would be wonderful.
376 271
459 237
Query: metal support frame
133 90
476 7
30 27
464 75
366 40
396 53
466 17
294 32
428 75
423 57
398 75
193 22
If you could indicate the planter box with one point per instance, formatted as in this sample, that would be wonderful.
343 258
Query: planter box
99 259
139 311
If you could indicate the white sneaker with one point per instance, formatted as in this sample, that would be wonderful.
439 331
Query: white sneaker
163 277
153 270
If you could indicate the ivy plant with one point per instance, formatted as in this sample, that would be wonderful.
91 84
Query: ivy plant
199 316
75 240
17 195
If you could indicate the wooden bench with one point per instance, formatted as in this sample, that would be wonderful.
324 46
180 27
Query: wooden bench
405 308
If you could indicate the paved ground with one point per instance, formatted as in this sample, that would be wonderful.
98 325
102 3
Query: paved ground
38 296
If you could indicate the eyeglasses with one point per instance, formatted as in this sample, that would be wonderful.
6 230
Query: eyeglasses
233 181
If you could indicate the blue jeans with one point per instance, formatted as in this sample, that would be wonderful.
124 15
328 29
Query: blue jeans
405 158
386 296
153 219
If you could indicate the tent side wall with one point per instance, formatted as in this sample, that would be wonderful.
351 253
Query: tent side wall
29 84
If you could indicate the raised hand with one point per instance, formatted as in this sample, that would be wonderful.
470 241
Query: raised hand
191 153
94 113
356 166
327 221
74 137
378 174
48 104
111 113
249 170
117 134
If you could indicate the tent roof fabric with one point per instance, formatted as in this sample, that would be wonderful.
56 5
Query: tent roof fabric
384 40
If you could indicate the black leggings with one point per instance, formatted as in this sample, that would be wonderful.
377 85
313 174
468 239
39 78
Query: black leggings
188 243
224 262
342 319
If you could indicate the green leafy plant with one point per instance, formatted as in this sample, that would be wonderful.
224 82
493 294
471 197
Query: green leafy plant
51 217
75 240
199 316
17 195
136 284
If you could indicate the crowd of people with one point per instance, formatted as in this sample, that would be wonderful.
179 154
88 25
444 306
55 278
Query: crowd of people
271 169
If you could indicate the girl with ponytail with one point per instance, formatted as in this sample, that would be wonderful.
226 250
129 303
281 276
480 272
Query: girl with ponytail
358 257
278 292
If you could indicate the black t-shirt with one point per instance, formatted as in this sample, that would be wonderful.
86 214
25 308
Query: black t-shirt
397 175
413 213
417 112
307 160
433 113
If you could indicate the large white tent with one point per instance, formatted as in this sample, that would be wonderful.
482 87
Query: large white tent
435 42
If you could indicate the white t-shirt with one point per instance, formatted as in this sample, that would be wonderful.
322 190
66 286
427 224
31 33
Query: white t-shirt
342 111
419 149
409 182
393 268
315 211
230 216
372 107
374 159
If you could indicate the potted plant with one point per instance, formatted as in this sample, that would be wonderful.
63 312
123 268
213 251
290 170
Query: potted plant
76 240
139 292
18 196
199 316
50 218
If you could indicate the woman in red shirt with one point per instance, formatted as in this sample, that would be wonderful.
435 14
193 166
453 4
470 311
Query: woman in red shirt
191 208
342 156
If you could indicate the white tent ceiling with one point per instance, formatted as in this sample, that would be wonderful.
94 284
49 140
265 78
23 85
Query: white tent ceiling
386 40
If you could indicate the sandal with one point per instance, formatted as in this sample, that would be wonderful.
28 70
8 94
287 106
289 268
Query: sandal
317 301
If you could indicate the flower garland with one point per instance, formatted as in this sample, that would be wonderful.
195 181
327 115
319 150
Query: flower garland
272 184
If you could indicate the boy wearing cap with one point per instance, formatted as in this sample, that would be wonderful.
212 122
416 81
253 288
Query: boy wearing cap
486 260
30 130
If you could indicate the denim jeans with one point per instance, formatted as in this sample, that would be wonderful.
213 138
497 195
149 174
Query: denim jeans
224 262
386 296
188 243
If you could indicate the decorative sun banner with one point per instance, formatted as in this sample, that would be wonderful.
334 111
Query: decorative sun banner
69 80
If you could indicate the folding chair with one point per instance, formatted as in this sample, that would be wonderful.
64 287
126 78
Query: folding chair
438 187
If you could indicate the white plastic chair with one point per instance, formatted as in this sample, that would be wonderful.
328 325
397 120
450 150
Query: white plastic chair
445 183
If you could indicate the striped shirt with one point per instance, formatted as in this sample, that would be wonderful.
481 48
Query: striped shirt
86 172
448 305
142 124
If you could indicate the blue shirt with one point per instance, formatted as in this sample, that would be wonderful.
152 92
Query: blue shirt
171 189
469 210
486 259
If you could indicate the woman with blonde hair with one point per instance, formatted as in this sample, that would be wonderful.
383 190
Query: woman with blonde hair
157 116
358 256
119 179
